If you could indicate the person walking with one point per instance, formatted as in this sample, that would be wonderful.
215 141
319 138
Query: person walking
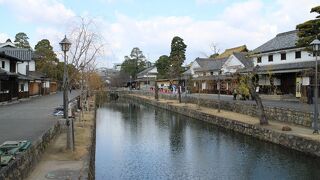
309 95
235 93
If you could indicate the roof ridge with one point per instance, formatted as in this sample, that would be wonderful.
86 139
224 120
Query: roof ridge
242 46
286 33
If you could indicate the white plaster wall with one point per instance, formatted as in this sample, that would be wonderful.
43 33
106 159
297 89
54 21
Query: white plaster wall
204 86
25 84
305 56
46 84
153 70
193 66
22 67
231 65
32 66
150 76
7 64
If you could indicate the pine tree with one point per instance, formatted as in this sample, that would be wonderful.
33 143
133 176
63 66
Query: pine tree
21 40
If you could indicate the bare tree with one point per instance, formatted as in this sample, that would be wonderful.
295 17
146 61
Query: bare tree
214 51
86 47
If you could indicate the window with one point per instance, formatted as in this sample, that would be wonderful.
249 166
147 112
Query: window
270 58
22 87
204 74
298 54
3 64
211 73
283 56
259 59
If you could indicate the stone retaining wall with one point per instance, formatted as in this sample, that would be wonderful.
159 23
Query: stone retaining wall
298 143
273 113
92 151
25 162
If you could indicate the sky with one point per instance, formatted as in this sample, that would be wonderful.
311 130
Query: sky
151 24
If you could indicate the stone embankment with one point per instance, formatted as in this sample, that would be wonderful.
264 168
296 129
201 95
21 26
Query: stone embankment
287 115
299 138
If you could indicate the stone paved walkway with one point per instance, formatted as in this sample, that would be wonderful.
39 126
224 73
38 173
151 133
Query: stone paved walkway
27 120
59 163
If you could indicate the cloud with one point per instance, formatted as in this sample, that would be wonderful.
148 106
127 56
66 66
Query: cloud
113 1
53 34
39 11
3 36
250 22
205 2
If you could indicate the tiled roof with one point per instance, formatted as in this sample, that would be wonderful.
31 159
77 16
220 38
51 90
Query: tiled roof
284 40
8 43
37 75
24 77
207 64
19 53
4 55
187 72
285 66
244 59
228 52
145 71
7 73
221 77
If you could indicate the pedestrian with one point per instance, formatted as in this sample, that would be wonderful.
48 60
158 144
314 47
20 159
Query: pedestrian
235 93
309 95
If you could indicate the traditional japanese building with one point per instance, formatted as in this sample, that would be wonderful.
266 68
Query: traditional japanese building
285 69
8 77
206 72
146 78
19 78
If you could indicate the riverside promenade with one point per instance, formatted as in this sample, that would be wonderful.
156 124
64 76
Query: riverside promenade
29 119
299 138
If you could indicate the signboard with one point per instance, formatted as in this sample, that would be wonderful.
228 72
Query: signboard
298 86
305 81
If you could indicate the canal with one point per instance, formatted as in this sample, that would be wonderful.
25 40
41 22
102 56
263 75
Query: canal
135 141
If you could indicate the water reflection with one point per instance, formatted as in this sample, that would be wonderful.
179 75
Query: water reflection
136 141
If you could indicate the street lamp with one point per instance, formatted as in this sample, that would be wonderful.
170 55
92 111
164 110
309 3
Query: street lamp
130 87
219 91
315 47
65 46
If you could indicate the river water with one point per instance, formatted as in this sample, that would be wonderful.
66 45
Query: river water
137 141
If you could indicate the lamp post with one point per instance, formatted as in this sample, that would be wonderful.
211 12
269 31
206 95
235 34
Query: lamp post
315 47
65 46
147 85
130 87
219 91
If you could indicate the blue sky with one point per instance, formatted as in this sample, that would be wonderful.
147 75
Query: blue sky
151 24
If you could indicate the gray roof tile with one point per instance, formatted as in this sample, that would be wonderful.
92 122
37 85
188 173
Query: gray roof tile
244 59
207 64
284 40
19 53
285 66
